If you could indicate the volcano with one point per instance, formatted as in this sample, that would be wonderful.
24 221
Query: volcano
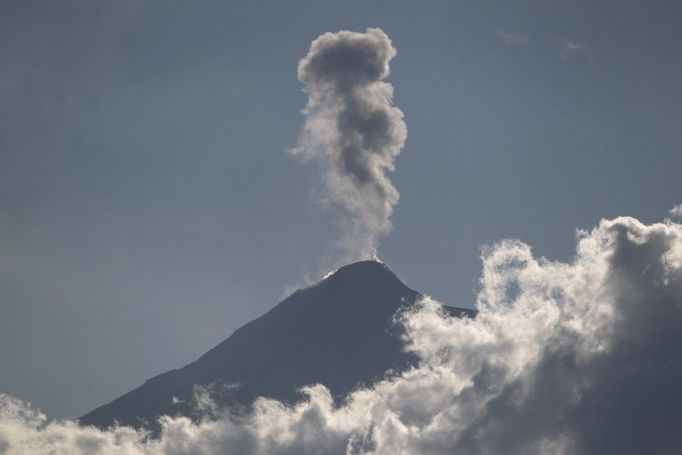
339 332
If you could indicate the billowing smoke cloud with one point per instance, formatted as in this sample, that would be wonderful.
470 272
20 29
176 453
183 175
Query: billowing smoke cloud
352 126
583 357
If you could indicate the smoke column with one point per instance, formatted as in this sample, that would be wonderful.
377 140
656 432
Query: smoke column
352 126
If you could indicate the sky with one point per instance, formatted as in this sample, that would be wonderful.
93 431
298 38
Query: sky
150 205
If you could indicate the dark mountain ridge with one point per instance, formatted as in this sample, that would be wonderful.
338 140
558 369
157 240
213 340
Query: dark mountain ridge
338 332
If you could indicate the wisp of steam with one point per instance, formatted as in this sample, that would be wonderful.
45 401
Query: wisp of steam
352 126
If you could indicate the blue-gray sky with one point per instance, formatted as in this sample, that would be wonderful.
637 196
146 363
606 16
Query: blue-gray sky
148 206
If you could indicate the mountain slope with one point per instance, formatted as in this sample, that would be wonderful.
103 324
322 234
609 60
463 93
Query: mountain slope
338 332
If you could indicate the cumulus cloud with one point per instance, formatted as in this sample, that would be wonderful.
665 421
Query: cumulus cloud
582 357
676 211
352 126
511 38
570 47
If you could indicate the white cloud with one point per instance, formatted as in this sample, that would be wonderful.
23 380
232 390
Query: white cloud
570 47
583 357
676 211
511 38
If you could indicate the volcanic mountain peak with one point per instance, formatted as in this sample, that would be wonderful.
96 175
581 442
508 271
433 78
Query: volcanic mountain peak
338 332
362 275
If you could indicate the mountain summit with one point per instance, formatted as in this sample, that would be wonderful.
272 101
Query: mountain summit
338 332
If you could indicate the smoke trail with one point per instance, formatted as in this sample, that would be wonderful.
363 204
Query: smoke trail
352 126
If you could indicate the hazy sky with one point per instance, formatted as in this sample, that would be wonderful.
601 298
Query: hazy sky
148 206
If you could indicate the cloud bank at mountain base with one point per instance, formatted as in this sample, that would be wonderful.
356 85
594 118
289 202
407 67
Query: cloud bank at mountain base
582 357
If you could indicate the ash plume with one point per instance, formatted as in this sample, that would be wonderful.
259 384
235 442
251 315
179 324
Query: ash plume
352 126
